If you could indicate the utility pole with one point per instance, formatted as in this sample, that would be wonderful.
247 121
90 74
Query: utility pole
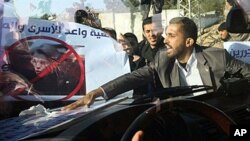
191 8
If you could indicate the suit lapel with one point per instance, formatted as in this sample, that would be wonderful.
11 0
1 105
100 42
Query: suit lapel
174 76
168 72
204 69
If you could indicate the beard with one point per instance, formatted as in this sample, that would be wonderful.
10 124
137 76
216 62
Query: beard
171 52
174 52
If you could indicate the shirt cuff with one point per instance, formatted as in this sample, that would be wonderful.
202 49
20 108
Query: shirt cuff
105 96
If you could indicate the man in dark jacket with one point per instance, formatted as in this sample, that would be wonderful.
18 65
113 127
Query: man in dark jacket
181 63
146 4
153 41
147 49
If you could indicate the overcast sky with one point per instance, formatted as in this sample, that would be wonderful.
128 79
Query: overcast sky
27 7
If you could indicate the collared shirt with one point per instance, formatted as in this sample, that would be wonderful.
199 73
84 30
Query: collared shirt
190 74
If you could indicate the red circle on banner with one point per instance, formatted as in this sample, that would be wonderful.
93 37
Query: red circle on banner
61 59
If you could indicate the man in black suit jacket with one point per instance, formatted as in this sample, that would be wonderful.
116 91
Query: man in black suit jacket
181 63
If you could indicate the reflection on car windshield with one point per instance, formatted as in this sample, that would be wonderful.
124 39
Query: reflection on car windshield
80 65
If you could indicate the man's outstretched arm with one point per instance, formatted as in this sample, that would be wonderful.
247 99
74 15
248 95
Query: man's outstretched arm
87 100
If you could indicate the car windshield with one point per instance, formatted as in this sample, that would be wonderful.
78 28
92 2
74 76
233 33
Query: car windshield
55 51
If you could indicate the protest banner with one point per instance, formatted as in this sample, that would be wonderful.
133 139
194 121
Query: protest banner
239 50
62 60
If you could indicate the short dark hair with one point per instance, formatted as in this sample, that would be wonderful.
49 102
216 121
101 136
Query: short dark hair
131 35
148 20
79 15
222 26
189 27
111 32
